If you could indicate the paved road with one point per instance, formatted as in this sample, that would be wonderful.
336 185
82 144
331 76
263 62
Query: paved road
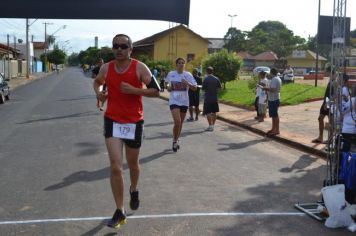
55 176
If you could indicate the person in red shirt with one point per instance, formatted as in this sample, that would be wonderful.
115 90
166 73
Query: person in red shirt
123 118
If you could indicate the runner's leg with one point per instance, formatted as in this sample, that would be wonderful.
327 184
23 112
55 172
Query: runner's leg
115 150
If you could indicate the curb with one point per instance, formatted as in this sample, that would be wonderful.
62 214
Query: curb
280 139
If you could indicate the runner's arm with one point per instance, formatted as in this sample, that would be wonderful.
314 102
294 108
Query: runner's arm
145 76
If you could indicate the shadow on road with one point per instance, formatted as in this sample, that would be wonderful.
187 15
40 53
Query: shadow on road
88 176
81 114
233 146
76 99
280 196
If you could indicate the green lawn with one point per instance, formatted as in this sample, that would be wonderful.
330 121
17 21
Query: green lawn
237 92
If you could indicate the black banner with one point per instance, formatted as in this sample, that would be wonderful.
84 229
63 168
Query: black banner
166 10
325 29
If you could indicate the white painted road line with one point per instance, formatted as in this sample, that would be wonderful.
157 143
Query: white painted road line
229 214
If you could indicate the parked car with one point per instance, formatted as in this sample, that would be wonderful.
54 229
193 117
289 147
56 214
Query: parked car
258 69
311 75
4 89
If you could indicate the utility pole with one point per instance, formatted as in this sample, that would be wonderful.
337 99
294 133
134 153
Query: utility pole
317 50
46 44
28 56
8 56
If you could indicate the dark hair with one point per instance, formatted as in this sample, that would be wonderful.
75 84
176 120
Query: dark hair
179 59
129 41
345 77
210 69
263 73
274 71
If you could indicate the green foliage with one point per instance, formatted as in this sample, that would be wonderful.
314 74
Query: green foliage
51 40
239 93
235 40
151 64
324 50
56 57
226 65
252 83
92 54
272 36
105 53
73 59
353 33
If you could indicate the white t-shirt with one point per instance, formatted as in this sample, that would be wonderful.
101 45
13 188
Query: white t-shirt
345 91
262 96
179 94
349 124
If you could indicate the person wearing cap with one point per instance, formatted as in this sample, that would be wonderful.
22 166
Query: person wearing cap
194 97
211 87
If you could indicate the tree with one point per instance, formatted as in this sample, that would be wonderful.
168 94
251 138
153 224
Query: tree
235 40
57 56
73 59
273 36
51 40
226 65
353 33
324 49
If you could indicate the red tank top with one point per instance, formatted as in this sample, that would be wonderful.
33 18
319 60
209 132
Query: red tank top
123 108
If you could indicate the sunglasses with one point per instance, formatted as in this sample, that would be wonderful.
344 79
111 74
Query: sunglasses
122 46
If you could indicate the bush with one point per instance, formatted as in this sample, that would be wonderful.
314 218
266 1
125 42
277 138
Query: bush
226 65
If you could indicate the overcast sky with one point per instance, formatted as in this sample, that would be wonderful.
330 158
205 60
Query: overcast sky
208 18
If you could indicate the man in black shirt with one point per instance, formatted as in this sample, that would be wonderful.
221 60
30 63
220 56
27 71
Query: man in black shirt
95 72
194 97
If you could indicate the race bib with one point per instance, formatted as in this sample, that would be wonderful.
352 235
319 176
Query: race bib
178 96
124 131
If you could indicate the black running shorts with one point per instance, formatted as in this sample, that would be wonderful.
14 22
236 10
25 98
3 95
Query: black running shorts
135 143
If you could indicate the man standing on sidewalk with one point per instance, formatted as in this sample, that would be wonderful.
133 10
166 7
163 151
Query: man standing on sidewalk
211 87
123 119
273 91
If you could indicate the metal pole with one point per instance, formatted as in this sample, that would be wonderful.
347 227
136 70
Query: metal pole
28 56
317 50
8 57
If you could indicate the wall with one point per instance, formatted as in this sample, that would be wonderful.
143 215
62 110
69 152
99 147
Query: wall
179 44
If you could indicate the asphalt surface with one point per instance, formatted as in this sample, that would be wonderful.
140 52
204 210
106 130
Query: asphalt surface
55 174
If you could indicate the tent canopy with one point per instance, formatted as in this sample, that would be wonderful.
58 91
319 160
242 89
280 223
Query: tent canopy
166 10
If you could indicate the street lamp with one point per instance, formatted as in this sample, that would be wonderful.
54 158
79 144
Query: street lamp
232 17
62 27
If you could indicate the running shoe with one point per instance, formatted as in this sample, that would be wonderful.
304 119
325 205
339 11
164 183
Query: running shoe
210 129
118 219
134 200
190 119
175 146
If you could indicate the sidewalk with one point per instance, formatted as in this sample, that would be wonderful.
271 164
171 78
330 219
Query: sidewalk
298 124
19 81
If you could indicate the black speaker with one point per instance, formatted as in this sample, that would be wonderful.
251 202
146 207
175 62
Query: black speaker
325 29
